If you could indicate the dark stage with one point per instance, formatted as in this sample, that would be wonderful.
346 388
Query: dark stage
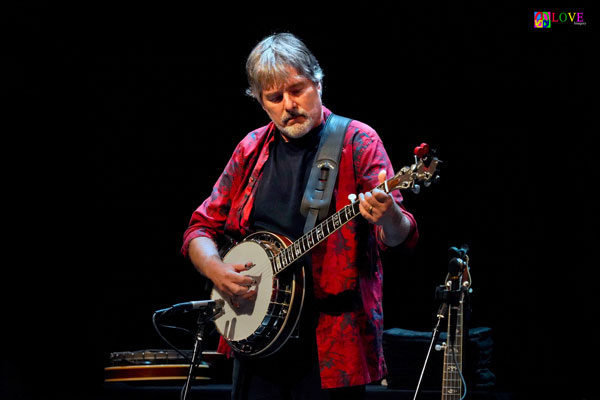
222 391
123 117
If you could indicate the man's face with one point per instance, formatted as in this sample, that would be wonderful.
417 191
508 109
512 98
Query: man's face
294 105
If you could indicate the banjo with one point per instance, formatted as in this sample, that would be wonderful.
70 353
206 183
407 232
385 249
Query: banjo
261 326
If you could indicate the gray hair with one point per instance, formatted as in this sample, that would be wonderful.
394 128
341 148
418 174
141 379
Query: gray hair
266 64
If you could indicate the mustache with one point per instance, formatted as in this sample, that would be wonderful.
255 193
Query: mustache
293 114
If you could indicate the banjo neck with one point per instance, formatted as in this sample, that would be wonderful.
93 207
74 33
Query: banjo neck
423 170
318 234
453 351
459 281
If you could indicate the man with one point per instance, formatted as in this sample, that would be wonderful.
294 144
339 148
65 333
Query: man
338 349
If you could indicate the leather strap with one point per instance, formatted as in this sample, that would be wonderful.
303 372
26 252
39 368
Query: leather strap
321 182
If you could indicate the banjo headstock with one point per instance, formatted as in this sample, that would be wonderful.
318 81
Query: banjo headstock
424 170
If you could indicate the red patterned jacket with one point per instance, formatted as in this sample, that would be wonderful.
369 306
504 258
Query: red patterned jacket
349 345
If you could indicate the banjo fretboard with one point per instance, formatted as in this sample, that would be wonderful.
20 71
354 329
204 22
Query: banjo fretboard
319 233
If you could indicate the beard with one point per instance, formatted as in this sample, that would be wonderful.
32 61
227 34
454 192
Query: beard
296 130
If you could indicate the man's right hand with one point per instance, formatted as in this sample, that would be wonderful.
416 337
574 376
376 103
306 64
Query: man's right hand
229 281
226 278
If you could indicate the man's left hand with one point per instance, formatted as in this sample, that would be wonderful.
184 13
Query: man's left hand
378 207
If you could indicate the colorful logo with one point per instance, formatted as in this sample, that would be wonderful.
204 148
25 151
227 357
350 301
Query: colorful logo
544 19
541 19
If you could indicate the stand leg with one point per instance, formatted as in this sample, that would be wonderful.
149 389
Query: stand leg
434 337
203 318
196 358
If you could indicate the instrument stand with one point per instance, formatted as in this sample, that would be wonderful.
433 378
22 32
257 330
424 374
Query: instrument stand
206 315
449 296
434 336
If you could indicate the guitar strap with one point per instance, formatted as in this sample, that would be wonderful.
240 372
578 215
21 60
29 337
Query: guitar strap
319 189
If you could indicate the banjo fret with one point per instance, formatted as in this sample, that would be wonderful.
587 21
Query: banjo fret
288 255
309 240
297 249
332 228
336 220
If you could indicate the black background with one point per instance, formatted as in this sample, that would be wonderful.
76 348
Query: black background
122 118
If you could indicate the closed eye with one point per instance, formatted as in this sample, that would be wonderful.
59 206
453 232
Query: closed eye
275 98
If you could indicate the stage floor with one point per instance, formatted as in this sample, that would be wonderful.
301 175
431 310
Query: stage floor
118 391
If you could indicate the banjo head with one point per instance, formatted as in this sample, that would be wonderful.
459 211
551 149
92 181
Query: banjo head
239 323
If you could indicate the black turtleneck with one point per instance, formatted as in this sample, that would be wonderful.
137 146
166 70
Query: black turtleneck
282 185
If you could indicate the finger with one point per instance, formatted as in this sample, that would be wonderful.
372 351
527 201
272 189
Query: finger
366 209
250 295
366 200
380 196
226 291
235 283
238 290
378 199
382 175
363 204
243 280
237 277
239 267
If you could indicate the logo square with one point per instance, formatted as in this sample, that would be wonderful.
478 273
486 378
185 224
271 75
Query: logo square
541 19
